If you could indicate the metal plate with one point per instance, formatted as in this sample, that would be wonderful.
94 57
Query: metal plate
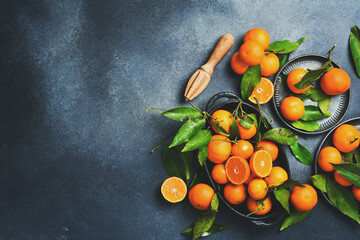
339 103
328 142
229 101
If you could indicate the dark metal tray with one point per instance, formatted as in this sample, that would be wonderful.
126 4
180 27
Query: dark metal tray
339 103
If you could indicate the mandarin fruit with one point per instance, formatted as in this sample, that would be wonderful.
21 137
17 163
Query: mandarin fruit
251 53
327 156
242 148
269 65
257 188
341 180
335 81
223 118
261 163
293 78
263 92
174 189
246 133
356 192
304 199
200 196
270 147
237 64
292 108
258 35
218 174
237 170
346 138
234 194
277 176
261 209
219 149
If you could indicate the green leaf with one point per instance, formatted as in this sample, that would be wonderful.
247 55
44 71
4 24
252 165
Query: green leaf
202 155
202 223
302 154
290 183
342 199
309 126
283 78
214 206
313 94
219 128
246 121
283 59
234 130
188 130
314 113
285 46
283 196
254 117
187 158
281 135
357 157
216 227
250 80
355 47
201 139
313 75
319 181
348 157
172 163
294 217
350 171
181 113
324 105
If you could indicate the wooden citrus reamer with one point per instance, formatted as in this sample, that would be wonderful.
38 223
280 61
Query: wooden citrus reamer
201 77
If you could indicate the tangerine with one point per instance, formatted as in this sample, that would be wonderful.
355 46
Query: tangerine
246 133
237 64
304 199
223 118
234 194
327 156
270 147
335 81
237 170
356 192
277 176
292 108
258 35
174 189
200 196
293 78
263 92
218 174
259 208
269 65
219 148
242 148
346 138
251 53
261 163
341 180
257 189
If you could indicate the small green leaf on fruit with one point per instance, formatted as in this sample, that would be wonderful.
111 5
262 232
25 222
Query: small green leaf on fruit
250 80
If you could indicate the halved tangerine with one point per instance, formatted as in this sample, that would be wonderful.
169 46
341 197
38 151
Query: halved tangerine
174 189
237 170
261 163
263 92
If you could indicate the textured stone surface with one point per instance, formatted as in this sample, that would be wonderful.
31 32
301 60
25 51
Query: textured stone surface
77 77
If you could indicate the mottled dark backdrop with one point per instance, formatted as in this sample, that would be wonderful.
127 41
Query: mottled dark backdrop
76 78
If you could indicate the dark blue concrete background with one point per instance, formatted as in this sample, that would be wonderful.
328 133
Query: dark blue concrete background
76 78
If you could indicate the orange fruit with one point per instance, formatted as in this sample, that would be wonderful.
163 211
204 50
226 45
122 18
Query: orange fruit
270 147
218 174
251 177
174 189
257 189
251 53
263 92
292 108
346 138
293 78
304 199
200 196
252 205
258 35
328 155
356 192
237 170
277 175
219 149
335 81
223 118
234 194
261 163
341 180
269 65
246 133
242 148
237 64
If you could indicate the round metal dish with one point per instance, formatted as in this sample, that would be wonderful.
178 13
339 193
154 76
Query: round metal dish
339 103
328 142
229 102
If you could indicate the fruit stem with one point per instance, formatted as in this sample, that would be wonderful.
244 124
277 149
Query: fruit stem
355 139
163 141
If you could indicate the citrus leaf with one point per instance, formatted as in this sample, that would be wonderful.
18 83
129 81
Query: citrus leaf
283 59
319 181
181 113
285 46
313 94
324 105
281 135
342 199
313 75
201 139
294 217
254 117
188 130
350 171
283 195
202 155
355 47
202 223
214 206
290 183
187 158
219 128
357 157
172 163
302 153
309 126
234 130
216 227
315 113
246 121
348 157
250 80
